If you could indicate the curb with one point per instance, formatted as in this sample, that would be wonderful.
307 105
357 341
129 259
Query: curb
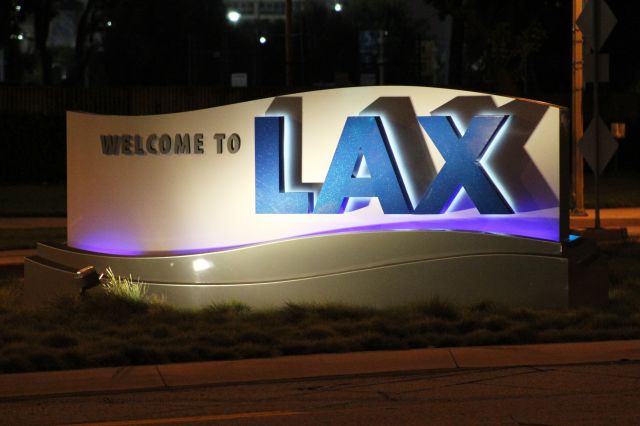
15 257
289 368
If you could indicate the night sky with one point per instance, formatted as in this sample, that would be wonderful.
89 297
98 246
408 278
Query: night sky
516 48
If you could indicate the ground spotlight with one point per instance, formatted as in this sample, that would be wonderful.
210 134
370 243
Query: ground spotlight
88 278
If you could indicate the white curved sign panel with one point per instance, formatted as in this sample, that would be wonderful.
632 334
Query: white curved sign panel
355 159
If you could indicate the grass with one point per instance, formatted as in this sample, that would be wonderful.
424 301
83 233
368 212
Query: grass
125 288
33 200
617 189
111 329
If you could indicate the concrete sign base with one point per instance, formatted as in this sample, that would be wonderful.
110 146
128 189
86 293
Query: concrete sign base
372 268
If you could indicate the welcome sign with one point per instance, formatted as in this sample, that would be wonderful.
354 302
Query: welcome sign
316 163
373 196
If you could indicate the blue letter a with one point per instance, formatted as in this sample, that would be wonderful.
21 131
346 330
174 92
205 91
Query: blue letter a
363 137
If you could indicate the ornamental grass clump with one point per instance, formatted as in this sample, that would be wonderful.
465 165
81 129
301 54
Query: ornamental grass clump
125 288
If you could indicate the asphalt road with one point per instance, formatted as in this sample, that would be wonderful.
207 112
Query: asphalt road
593 394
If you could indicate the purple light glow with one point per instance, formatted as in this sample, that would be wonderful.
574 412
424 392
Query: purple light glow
543 228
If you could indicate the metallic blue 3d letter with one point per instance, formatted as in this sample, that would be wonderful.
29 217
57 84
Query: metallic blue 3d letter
271 196
462 168
363 138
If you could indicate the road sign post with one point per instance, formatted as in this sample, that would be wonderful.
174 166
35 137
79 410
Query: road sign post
596 22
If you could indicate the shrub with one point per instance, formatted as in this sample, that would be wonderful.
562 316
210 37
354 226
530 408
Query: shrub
125 288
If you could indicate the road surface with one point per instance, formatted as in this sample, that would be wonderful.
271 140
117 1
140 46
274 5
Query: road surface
591 394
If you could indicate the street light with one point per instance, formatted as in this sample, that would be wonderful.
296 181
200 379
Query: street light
337 7
262 39
233 16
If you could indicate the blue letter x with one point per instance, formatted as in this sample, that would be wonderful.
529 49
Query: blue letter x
462 168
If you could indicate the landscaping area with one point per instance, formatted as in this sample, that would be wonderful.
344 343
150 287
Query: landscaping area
114 328
27 238
31 200
617 189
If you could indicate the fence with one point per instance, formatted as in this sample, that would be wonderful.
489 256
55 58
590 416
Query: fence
32 119
124 100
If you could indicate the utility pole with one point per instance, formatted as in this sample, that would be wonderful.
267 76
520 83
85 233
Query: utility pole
577 129
288 49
